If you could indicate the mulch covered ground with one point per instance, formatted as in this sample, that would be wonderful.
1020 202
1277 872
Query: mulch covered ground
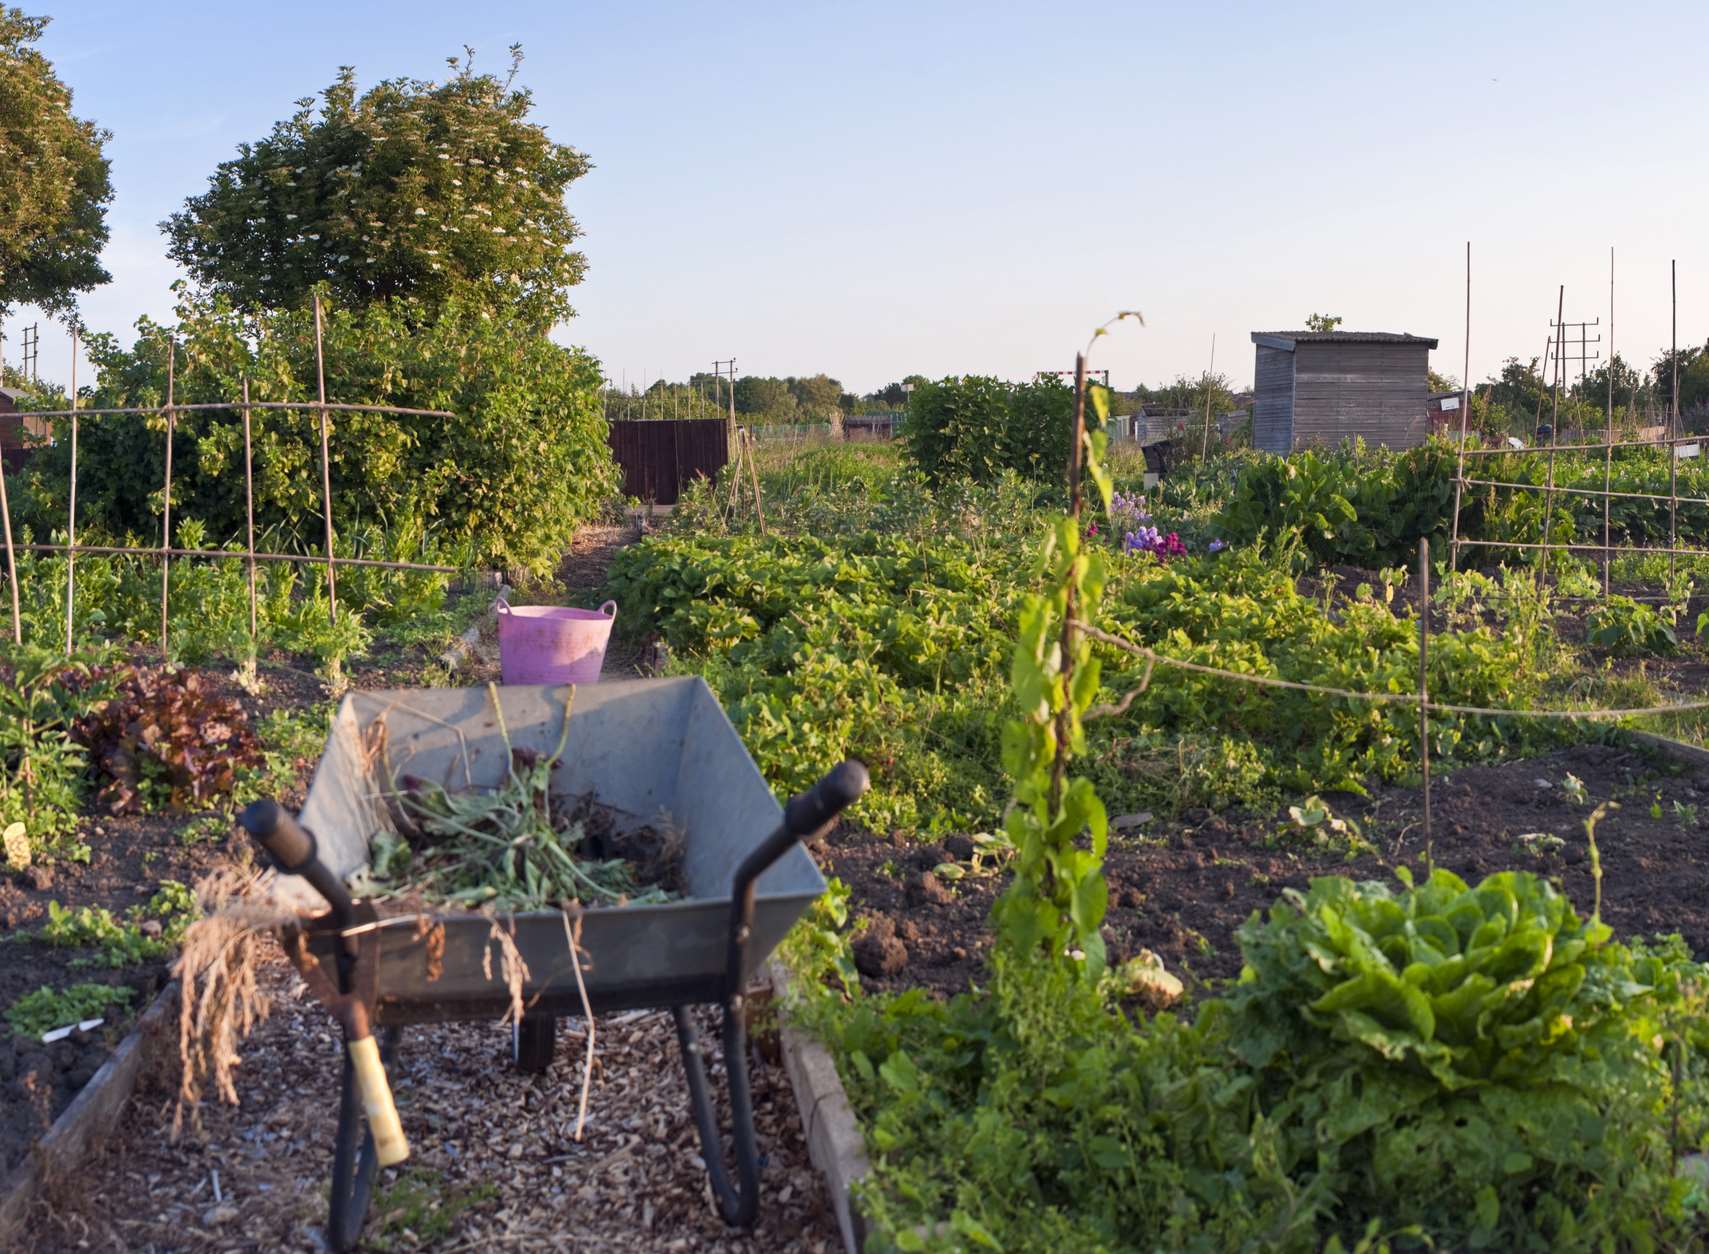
494 1162
1181 888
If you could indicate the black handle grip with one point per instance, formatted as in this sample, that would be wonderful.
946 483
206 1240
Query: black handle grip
292 847
279 833
841 787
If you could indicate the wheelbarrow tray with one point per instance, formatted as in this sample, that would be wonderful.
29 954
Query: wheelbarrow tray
652 751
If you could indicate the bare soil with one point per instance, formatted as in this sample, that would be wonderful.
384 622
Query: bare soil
1181 888
130 855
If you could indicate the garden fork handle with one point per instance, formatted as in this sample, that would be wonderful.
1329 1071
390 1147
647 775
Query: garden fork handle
293 849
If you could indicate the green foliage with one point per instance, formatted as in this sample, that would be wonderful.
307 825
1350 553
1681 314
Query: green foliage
1354 506
42 694
817 947
1458 1067
431 192
54 188
1056 900
1370 507
504 483
1627 628
50 1008
505 848
1476 1061
126 942
420 1206
1322 322
878 617
166 740
958 428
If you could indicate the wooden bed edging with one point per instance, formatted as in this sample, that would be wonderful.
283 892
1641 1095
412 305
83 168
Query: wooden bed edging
93 1113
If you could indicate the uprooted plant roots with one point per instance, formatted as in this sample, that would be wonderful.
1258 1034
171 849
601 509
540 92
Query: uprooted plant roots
514 848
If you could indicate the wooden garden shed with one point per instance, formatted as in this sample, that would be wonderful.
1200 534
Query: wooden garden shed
1323 387
18 432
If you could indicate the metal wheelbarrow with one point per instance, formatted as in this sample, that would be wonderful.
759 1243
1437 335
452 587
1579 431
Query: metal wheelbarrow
646 751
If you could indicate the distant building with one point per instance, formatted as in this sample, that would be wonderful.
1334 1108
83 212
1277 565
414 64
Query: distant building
1444 411
18 432
1323 387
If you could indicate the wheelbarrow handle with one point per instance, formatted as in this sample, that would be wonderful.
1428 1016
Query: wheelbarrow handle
806 814
293 849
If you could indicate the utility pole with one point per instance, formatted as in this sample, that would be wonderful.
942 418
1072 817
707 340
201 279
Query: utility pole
718 372
32 339
1564 356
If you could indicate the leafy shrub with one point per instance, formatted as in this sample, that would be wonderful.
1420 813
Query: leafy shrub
167 740
975 427
1369 507
42 693
509 478
1627 628
957 428
1351 505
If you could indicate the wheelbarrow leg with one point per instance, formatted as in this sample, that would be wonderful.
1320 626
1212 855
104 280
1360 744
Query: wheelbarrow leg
810 812
738 1205
353 1158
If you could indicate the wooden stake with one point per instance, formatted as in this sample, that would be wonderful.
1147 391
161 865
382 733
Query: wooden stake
71 511
1205 452
754 475
166 505
325 469
1673 434
1554 435
11 560
1608 452
1465 412
249 520
1071 606
1424 693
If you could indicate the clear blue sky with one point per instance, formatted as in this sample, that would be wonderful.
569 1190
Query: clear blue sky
880 189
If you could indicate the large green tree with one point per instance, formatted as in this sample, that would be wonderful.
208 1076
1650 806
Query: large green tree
54 185
507 480
761 396
431 191
816 396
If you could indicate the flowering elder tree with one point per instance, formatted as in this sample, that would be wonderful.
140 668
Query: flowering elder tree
54 185
418 190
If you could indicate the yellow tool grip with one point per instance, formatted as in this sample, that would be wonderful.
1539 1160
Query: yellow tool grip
390 1147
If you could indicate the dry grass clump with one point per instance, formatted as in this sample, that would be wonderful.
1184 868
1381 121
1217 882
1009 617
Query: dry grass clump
219 999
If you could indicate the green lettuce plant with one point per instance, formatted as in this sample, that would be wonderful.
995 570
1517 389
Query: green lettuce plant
1478 1061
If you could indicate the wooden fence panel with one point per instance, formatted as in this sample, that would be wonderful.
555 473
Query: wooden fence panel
660 457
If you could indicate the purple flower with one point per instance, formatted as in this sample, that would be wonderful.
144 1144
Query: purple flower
1216 546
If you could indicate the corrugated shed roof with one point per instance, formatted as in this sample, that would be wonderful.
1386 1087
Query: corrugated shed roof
1347 337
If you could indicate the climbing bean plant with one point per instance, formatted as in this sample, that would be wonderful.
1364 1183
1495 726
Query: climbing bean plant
1058 895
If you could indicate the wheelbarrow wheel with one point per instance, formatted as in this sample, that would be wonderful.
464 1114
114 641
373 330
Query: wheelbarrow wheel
532 1042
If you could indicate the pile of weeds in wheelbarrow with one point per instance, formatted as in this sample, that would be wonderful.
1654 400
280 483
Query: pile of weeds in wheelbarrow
515 848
